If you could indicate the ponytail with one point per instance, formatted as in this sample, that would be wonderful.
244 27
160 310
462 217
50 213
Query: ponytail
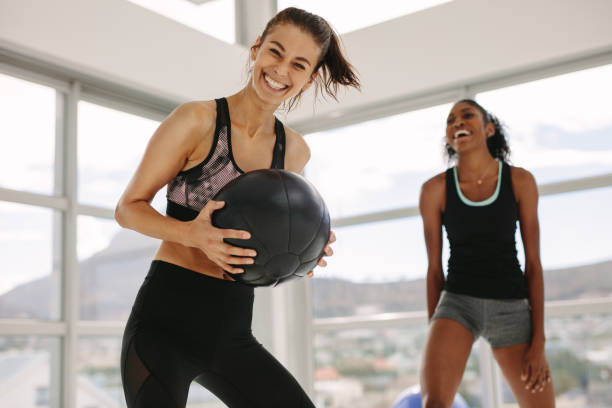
333 67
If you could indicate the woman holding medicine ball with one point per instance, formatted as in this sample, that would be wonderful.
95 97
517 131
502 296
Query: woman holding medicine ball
190 320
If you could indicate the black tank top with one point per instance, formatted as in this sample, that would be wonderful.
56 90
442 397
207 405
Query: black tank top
191 189
483 261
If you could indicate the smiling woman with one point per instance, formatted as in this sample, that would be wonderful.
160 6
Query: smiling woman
485 293
203 331
318 57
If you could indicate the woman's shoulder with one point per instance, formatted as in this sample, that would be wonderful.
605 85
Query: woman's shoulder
433 195
435 184
197 111
191 120
298 152
521 176
523 184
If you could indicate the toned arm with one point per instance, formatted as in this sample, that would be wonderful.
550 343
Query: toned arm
431 206
167 152
526 194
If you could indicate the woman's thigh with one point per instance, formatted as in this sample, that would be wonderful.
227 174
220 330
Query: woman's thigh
446 353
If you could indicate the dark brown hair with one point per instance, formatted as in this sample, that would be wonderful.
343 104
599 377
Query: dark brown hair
334 68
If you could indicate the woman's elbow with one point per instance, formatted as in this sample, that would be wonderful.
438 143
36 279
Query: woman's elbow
120 213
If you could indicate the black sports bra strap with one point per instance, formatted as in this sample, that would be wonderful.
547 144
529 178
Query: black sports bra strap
278 158
222 112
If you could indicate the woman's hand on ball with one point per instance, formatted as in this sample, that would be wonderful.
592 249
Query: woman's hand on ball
328 251
209 239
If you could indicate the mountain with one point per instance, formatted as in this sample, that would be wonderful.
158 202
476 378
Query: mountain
336 297
110 279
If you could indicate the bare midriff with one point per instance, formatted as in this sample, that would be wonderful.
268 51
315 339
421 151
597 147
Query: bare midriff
190 258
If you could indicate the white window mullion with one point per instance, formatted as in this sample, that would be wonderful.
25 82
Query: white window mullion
56 364
93 211
491 381
70 281
35 199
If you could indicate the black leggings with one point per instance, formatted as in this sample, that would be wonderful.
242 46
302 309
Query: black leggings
186 326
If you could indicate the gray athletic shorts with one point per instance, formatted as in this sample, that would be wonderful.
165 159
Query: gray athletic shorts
502 322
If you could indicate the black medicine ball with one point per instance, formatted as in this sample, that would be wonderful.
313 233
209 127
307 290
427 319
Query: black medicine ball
288 221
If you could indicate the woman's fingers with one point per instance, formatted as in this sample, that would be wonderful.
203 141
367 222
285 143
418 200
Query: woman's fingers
212 206
539 377
526 373
332 237
237 260
229 268
545 378
235 234
237 251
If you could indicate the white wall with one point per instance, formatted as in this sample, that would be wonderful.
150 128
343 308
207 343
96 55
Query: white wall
119 41
454 43
467 40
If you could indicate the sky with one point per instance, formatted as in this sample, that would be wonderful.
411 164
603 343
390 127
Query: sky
559 129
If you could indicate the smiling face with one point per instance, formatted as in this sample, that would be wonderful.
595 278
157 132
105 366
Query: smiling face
284 63
466 128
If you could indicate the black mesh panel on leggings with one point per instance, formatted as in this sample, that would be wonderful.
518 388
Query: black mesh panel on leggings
135 373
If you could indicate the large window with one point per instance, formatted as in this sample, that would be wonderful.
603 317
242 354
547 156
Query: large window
379 164
70 273
110 145
559 127
48 212
576 239
378 270
29 371
378 267
28 135
370 368
30 270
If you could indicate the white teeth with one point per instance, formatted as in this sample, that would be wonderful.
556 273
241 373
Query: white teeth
274 84
460 133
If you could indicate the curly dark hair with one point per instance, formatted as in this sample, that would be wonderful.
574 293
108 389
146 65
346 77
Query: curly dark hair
497 144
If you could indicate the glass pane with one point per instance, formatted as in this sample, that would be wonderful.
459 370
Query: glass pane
29 269
98 373
30 371
94 235
576 242
112 265
212 17
344 16
371 368
376 268
558 138
380 164
200 397
373 271
581 365
27 129
111 144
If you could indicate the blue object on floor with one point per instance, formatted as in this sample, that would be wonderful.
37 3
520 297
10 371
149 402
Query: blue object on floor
411 398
